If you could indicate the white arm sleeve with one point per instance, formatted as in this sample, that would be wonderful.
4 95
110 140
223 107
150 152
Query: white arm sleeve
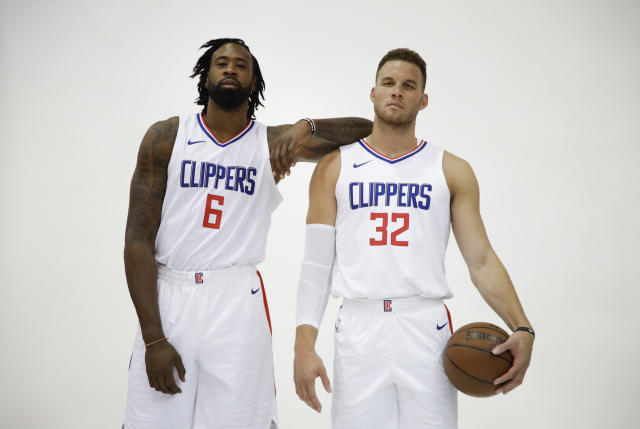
315 275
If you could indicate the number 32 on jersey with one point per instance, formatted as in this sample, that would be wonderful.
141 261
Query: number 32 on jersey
400 223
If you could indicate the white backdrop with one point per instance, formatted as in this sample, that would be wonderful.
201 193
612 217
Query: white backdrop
541 97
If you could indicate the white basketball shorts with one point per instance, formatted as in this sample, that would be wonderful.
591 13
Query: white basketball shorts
218 321
388 370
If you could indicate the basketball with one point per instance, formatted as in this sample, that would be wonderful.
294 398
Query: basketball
468 361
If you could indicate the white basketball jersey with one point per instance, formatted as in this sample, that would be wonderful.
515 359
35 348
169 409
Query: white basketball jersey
392 224
219 198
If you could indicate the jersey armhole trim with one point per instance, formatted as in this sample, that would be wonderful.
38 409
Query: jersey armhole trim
174 154
335 189
444 176
272 180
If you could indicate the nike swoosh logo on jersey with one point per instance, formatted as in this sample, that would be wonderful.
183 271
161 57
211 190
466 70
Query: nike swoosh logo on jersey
440 327
360 165
197 141
253 292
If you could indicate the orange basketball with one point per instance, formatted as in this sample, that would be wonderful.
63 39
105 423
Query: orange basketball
468 360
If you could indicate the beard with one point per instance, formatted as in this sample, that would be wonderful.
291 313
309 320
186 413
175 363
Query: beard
406 118
228 98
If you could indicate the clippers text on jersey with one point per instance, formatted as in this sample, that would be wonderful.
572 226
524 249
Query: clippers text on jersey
375 194
195 174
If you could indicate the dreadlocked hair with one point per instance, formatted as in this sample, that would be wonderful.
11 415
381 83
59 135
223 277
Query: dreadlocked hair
202 69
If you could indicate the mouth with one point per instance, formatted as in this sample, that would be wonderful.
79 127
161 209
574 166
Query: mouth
229 83
395 106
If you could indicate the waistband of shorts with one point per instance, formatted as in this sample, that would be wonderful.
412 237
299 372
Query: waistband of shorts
393 305
199 278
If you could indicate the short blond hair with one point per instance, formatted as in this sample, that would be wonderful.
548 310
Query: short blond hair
404 54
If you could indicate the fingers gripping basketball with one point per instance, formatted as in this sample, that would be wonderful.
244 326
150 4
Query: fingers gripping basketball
469 362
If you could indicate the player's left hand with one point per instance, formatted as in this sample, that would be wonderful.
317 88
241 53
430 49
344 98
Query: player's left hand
520 344
307 366
284 150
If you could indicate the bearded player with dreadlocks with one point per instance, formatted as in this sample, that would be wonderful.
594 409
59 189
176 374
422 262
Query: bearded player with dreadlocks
200 207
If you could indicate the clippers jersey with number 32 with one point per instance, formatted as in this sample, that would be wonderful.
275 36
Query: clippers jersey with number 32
392 224
219 198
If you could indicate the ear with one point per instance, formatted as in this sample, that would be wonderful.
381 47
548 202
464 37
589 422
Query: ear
373 93
254 84
424 101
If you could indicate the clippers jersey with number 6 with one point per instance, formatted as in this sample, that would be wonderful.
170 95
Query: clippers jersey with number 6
219 198
392 224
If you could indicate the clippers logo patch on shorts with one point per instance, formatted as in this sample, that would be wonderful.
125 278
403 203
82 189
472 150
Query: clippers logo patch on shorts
387 305
199 279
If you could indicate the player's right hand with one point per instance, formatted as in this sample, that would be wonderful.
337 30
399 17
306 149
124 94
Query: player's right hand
307 366
520 344
283 153
160 360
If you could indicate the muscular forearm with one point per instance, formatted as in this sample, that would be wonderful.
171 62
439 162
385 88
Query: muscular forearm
331 133
146 196
495 286
342 130
297 142
140 269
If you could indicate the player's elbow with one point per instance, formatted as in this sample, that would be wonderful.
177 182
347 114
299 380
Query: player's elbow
128 255
136 251
479 263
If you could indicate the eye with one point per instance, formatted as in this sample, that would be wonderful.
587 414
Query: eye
221 64
242 66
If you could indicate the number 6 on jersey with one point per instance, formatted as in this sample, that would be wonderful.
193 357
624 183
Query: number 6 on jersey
210 211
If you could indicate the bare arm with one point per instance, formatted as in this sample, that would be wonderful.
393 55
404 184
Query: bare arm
322 210
486 271
148 187
291 143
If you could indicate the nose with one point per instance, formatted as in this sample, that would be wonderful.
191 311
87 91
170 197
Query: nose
230 70
396 91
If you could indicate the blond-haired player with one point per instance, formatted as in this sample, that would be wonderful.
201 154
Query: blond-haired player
380 212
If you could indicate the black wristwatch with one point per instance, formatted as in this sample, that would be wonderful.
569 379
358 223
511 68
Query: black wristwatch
526 329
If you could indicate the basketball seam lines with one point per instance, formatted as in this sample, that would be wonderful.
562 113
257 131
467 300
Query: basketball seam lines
479 349
500 331
466 373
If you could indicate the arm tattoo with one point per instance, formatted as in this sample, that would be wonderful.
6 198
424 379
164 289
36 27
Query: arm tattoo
342 130
149 182
330 133
273 132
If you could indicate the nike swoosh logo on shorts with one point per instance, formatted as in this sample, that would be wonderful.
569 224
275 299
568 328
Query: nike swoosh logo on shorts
197 141
253 292
440 327
360 165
